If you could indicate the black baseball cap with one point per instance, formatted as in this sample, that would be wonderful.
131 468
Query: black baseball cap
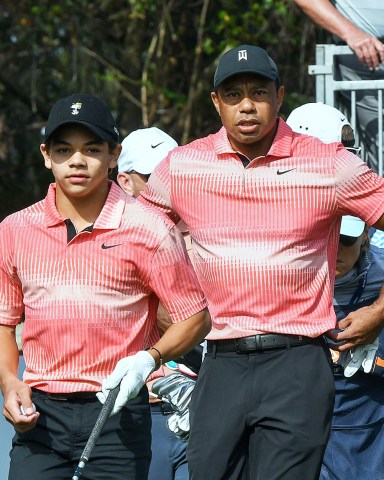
88 110
245 59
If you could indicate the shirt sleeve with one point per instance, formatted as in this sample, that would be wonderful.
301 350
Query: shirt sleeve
158 190
11 295
360 191
173 279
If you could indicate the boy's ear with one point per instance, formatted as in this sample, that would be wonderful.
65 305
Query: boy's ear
46 156
114 156
125 181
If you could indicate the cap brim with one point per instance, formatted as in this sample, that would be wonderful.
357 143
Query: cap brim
352 226
255 72
139 167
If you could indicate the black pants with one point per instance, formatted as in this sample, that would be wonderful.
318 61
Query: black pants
51 451
262 416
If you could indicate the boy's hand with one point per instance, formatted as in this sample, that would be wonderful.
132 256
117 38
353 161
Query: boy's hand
18 407
132 372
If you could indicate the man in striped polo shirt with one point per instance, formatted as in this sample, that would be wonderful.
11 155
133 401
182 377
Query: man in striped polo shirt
87 266
263 206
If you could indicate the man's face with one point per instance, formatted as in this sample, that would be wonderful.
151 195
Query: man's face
248 106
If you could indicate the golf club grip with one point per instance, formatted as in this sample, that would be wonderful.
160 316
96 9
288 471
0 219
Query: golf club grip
100 422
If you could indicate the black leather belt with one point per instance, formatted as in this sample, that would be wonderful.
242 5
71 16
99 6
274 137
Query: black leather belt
257 343
67 397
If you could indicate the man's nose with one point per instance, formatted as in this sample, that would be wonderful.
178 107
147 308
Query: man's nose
247 104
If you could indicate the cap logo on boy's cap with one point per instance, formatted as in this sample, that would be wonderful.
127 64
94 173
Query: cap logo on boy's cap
245 59
75 108
87 110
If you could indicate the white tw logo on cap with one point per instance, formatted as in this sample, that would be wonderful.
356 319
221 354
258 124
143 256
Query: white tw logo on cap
242 55
75 107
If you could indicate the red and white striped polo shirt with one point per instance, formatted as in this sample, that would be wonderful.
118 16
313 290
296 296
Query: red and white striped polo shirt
91 301
265 237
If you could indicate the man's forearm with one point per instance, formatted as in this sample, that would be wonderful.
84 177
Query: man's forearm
325 15
378 306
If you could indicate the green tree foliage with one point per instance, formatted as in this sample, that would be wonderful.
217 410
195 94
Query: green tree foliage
151 60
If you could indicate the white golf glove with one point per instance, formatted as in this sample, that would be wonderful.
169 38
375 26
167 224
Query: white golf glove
178 423
363 356
132 372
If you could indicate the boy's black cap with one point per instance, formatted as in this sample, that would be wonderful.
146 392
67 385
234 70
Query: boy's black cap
245 59
84 109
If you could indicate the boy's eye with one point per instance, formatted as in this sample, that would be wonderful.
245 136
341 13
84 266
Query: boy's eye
62 150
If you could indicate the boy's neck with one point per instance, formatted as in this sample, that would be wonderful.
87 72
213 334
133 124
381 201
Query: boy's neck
82 211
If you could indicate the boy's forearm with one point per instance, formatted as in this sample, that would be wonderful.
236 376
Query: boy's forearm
9 355
181 337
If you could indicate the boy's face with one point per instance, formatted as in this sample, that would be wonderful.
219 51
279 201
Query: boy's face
79 160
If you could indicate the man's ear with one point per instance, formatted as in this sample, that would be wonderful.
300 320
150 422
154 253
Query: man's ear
125 181
280 96
46 156
215 100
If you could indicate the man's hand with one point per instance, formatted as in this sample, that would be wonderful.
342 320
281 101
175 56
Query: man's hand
360 327
132 372
368 49
362 356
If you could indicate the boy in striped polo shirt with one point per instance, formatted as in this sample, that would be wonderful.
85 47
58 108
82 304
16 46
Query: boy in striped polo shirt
86 266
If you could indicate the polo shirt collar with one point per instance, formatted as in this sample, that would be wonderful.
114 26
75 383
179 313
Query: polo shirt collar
281 147
109 218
